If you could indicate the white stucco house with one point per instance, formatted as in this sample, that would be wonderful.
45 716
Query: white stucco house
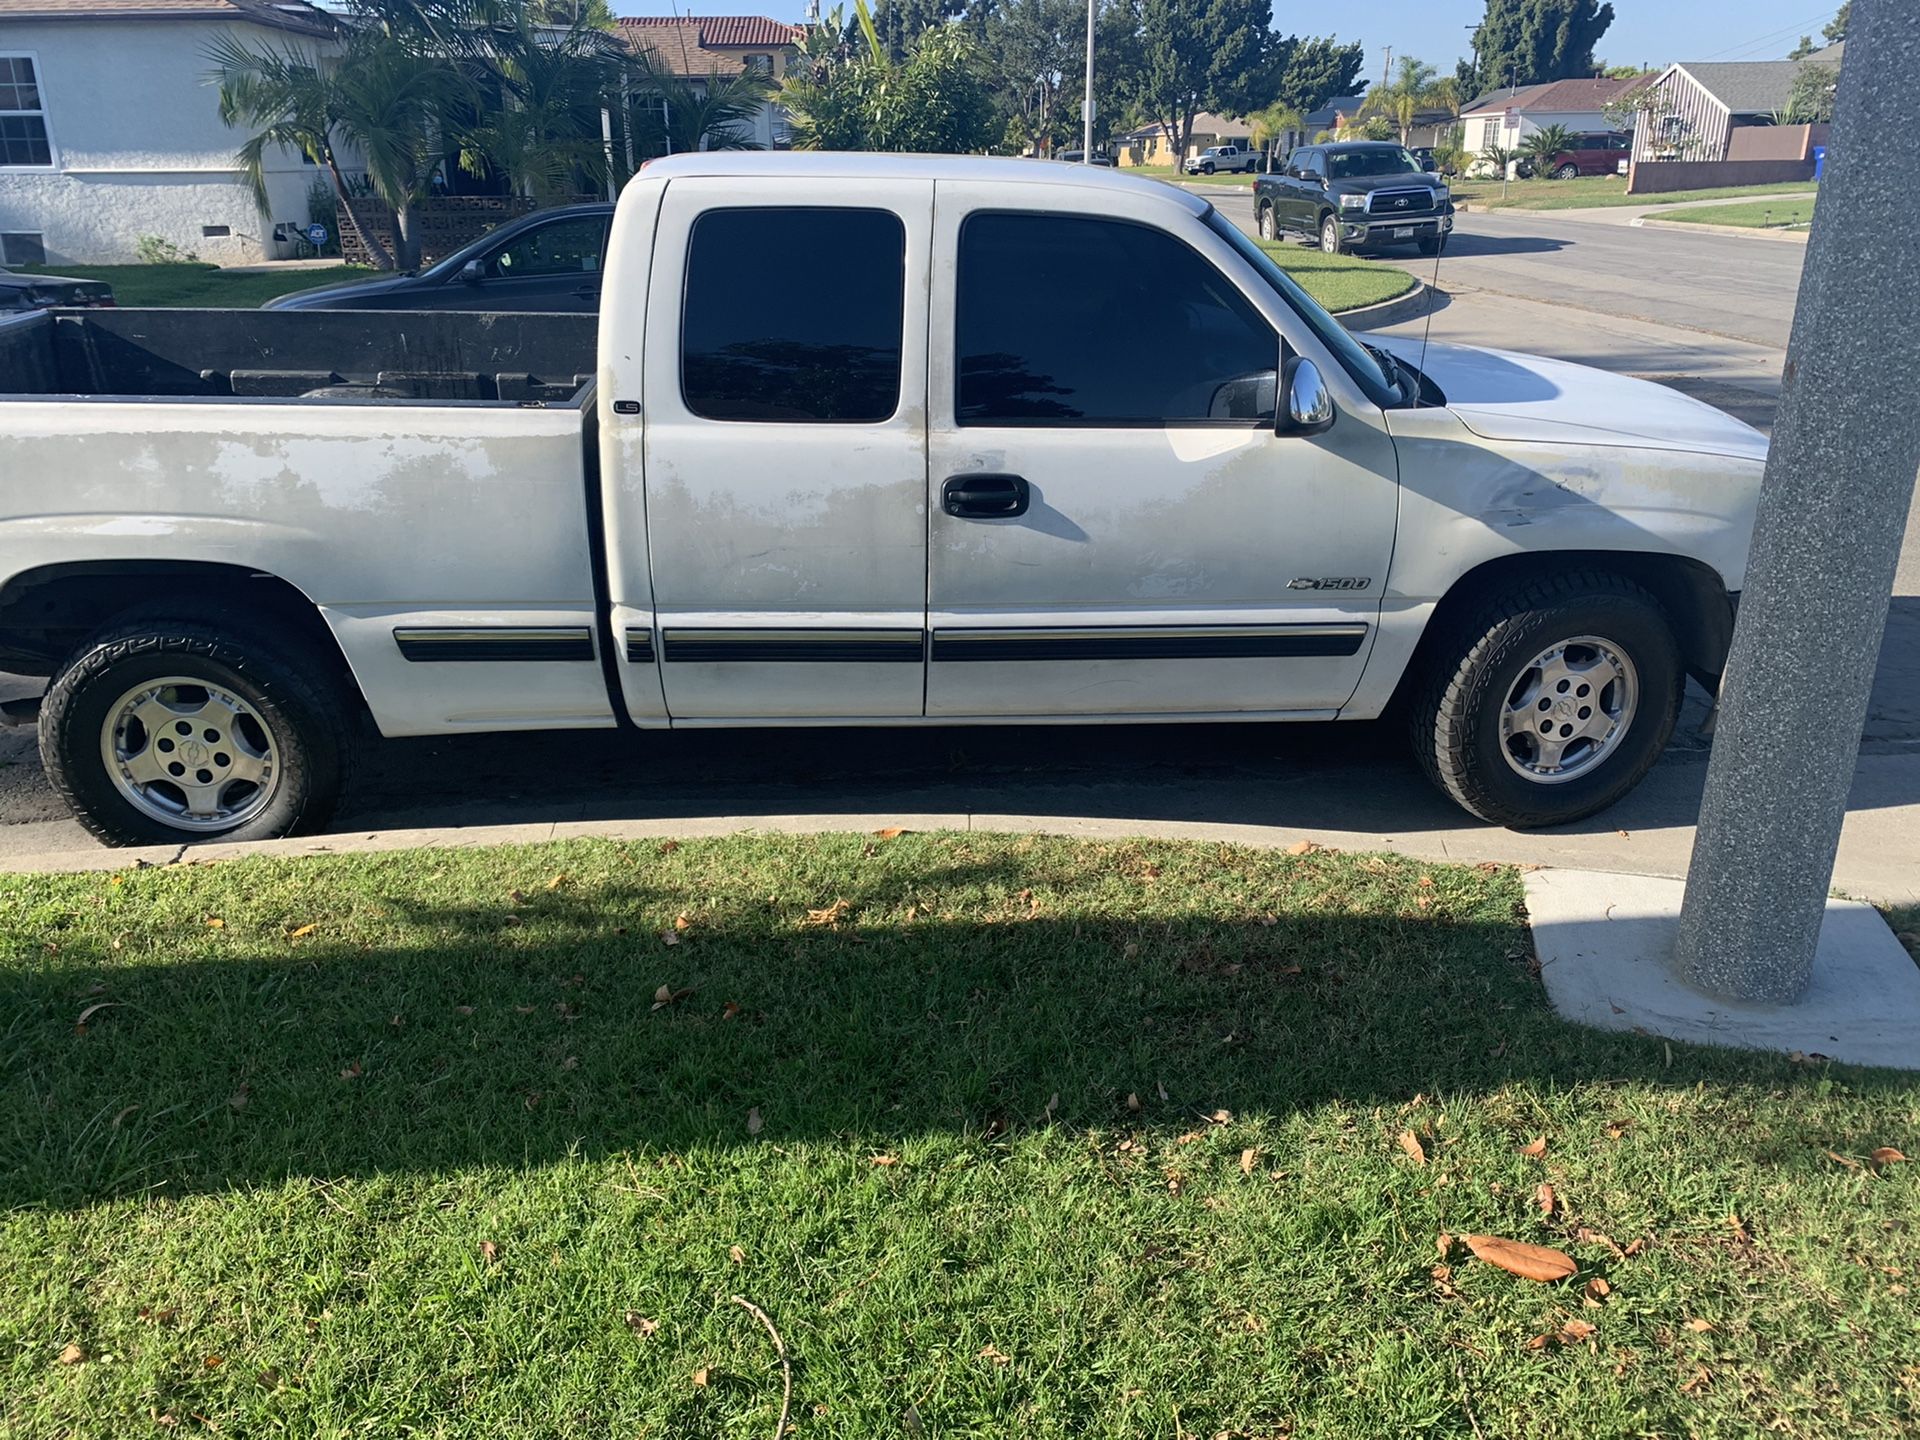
110 131
1507 116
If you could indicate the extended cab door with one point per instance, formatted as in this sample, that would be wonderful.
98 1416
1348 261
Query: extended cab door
1115 527
785 447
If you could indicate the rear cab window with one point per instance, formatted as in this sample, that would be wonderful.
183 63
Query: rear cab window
763 338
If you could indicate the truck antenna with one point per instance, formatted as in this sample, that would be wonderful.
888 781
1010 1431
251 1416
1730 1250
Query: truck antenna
1426 331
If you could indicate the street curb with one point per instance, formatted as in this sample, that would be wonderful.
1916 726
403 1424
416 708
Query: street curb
1409 306
1790 237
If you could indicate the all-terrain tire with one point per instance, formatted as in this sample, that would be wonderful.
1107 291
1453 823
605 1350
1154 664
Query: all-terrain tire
1475 663
1330 242
294 691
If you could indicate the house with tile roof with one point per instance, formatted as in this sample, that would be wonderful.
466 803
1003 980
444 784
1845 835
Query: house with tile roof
695 48
110 132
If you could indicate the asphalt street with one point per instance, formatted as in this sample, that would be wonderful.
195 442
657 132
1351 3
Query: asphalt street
1705 313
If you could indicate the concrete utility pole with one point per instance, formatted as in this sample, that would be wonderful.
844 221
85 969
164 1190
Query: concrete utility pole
1086 104
1833 508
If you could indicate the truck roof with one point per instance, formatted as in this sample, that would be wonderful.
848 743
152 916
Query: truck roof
860 165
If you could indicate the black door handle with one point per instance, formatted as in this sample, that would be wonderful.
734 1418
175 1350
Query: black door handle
984 497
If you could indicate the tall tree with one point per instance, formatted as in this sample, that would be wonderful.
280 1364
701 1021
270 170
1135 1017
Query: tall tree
1416 86
1201 55
847 98
1033 51
1313 71
1529 42
1836 28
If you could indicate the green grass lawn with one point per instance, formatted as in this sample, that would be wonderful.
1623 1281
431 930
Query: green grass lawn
200 285
1594 190
1339 282
1008 1136
1169 172
1753 215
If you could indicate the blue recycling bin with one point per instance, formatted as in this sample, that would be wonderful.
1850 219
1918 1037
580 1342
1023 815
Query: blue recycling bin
1819 161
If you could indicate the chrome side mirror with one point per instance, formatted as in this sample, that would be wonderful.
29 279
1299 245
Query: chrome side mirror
1309 403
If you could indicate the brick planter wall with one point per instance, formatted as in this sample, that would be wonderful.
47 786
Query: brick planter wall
445 224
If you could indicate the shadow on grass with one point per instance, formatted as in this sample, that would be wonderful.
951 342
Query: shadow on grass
952 991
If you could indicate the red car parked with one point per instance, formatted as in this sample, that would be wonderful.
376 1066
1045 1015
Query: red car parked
1596 152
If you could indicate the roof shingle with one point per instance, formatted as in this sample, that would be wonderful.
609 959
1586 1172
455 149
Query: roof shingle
280 14
719 30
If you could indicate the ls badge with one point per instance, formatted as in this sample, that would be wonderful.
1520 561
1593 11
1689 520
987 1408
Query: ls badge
1331 582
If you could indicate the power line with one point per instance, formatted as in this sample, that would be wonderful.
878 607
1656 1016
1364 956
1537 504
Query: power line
1802 27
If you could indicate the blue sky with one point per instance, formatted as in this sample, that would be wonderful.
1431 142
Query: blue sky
1649 31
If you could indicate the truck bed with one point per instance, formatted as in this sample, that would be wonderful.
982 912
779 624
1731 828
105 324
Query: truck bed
321 355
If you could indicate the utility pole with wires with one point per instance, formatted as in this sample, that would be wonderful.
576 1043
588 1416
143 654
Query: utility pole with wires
1086 103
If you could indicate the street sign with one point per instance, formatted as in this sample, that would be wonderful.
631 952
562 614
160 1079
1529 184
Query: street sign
1511 120
316 234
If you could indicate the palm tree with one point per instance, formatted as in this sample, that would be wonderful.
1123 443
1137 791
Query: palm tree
394 107
1415 87
543 95
1269 125
1540 148
291 102
673 114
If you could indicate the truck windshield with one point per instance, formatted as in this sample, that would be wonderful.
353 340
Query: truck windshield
1357 360
1357 164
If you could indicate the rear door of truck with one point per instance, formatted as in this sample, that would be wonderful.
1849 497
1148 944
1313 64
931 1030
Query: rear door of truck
785 447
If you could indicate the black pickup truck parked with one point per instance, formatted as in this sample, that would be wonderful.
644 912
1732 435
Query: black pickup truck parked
1358 195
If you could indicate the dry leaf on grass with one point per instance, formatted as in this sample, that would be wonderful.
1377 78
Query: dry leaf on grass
700 1378
1302 847
489 1251
72 1354
1839 1159
1530 1262
729 1010
831 914
1886 1155
556 882
1247 1157
640 1324
892 832
884 1160
1536 1148
993 1353
1699 1326
754 1122
300 932
1410 1143
1597 1290
666 995
736 1254
1572 1332
214 922
1702 1378
1543 1197
1133 1102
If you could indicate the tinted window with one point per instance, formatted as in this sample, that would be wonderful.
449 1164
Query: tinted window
566 247
1063 320
794 315
1358 164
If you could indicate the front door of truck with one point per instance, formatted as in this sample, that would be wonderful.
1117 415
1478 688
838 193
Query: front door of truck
1115 526
785 447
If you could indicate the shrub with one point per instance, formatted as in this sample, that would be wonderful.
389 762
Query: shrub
157 250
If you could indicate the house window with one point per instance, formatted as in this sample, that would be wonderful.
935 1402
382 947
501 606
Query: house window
23 118
760 64
23 248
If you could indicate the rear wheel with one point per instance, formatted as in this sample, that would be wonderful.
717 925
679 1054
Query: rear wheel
172 732
1551 702
1268 230
1330 235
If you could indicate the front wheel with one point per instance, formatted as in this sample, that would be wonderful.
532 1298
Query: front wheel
1567 172
1207 169
1551 702
1330 235
1268 230
171 732
1433 244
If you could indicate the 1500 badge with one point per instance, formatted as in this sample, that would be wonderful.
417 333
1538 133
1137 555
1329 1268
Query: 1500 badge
1331 582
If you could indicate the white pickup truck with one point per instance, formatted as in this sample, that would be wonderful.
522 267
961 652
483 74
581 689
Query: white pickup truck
868 441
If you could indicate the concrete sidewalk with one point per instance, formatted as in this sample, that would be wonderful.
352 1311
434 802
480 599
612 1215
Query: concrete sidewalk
1634 214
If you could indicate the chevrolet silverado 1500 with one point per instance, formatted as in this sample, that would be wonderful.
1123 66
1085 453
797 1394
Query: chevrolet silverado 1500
1051 445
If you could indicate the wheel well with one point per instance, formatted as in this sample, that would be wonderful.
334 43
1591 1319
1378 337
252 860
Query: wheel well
1692 594
48 613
